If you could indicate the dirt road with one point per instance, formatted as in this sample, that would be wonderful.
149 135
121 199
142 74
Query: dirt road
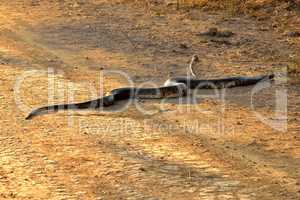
214 149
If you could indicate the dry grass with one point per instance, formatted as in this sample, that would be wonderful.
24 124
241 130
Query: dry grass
237 6
217 4
258 8
294 67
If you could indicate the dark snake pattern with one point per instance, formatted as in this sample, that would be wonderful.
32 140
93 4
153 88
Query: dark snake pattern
174 87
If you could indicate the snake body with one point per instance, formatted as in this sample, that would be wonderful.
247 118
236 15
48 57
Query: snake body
174 87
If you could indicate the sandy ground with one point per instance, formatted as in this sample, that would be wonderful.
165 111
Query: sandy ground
209 150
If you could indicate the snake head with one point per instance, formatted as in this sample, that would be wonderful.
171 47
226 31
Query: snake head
271 76
195 58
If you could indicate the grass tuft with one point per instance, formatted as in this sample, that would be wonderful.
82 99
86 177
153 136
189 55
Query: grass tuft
294 67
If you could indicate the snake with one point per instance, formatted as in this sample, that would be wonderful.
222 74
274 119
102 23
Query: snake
172 88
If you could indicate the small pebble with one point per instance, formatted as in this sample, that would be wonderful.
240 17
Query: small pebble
183 46
142 169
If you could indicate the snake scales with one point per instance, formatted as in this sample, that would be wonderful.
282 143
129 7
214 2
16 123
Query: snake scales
174 87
